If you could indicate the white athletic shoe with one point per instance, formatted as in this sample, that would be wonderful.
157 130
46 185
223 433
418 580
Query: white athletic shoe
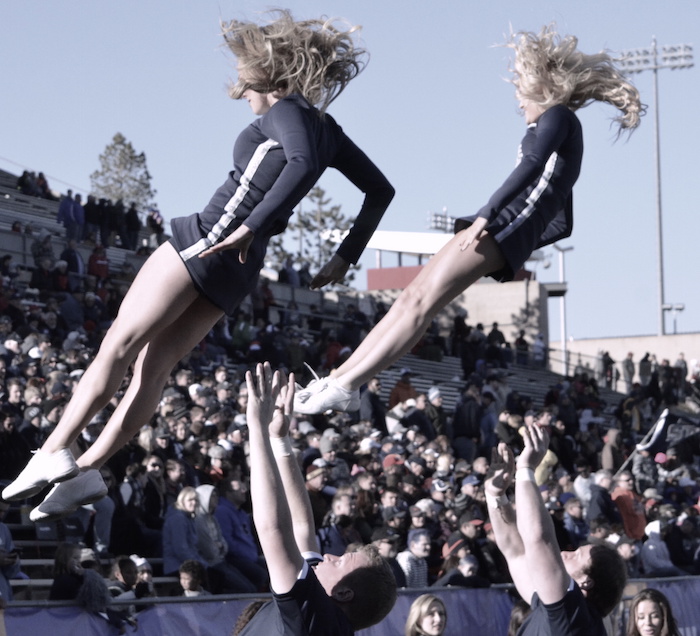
326 395
68 496
43 469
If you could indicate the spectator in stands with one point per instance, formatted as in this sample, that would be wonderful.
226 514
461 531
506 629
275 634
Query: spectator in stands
628 372
98 263
575 523
14 450
427 617
466 574
75 265
67 573
601 504
631 506
372 408
466 423
132 224
387 541
522 349
9 556
60 277
78 227
338 531
155 225
91 231
567 590
656 558
180 533
403 389
193 578
435 412
65 215
413 560
650 614
611 456
238 532
42 276
214 548
123 579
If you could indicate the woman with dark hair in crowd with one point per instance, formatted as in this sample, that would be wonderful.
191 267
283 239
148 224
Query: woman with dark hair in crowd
651 615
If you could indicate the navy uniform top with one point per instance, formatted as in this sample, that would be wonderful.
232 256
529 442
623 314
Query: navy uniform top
571 616
533 207
277 159
306 610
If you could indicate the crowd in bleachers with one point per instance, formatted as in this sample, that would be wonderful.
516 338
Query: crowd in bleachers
404 473
35 185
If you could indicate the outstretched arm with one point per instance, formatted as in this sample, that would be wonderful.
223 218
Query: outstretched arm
290 473
543 561
503 518
271 511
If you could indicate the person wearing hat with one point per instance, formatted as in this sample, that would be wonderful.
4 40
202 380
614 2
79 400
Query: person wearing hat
435 411
466 500
403 389
31 428
217 457
655 555
386 540
393 464
338 471
442 493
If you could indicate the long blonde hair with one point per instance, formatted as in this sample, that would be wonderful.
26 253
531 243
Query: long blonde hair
419 610
315 58
549 69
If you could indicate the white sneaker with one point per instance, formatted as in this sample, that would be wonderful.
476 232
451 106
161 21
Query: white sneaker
326 395
42 469
68 496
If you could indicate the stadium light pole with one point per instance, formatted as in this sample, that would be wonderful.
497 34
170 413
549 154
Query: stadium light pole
652 59
562 306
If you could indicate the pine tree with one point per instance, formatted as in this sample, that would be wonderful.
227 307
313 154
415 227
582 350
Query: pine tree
312 236
123 175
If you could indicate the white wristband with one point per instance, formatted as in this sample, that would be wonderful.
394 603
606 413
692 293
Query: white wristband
496 502
281 446
525 474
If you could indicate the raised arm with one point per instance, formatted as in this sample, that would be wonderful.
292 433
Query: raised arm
359 169
503 518
543 561
271 512
290 473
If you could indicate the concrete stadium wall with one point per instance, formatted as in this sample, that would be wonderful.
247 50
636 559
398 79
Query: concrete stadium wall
667 347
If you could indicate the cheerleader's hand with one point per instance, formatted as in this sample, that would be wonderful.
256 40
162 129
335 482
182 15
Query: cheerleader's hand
240 239
472 233
332 272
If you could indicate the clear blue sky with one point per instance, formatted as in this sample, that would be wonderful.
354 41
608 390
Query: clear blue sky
432 109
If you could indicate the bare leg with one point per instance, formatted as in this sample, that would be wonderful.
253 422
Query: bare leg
153 366
160 294
446 275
